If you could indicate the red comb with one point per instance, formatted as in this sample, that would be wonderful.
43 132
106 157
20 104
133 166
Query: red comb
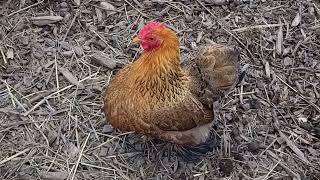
149 27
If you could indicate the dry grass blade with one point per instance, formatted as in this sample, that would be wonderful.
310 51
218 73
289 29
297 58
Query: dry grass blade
23 9
293 147
49 96
3 56
75 167
42 104
14 156
249 28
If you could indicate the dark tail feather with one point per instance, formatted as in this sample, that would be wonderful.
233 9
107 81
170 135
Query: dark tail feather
196 153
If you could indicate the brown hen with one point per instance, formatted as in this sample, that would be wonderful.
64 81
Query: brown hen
158 97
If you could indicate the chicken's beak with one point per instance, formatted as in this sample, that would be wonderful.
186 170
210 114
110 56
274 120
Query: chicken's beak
135 40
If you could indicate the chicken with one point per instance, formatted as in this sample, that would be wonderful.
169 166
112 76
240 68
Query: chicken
160 98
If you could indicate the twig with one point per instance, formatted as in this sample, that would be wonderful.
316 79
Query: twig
143 14
20 10
3 56
49 96
289 171
255 27
79 158
267 175
226 30
102 39
56 72
304 98
14 156
70 26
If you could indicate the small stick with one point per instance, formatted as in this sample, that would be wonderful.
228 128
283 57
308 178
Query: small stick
10 94
35 4
255 27
144 15
305 99
3 56
102 39
49 96
79 158
14 156
271 170
235 37
244 93
56 72
70 26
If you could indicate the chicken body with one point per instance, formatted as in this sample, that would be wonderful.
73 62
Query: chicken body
158 97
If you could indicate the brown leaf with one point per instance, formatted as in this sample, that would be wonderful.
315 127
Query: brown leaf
45 20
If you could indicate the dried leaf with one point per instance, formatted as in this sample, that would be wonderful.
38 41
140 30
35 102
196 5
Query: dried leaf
107 6
279 42
218 2
103 59
99 14
296 21
10 53
67 53
267 67
69 76
71 150
53 175
45 20
76 2
293 147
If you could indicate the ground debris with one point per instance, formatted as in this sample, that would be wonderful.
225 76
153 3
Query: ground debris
45 20
54 71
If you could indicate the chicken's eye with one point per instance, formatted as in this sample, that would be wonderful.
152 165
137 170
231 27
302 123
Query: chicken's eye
151 38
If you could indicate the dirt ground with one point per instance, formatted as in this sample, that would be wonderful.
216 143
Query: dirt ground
53 71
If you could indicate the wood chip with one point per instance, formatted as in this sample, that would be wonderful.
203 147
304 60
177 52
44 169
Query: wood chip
76 2
69 76
267 67
218 2
99 14
296 21
53 175
103 60
10 53
107 6
279 42
45 20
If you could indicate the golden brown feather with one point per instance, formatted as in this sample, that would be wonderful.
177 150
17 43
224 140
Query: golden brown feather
158 97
